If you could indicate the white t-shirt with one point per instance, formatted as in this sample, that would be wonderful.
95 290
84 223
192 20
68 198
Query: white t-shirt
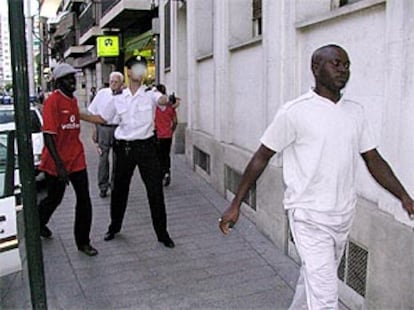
103 101
321 142
134 114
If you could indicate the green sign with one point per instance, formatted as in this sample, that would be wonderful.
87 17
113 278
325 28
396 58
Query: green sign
107 46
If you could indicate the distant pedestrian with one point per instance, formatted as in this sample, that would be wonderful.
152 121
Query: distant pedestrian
93 93
63 158
321 135
165 125
103 134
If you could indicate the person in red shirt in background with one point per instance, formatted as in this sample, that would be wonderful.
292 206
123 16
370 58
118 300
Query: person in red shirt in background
165 124
63 158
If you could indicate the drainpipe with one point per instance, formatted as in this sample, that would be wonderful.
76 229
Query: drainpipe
24 145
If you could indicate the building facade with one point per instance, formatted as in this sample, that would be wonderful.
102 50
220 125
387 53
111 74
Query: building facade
234 63
5 58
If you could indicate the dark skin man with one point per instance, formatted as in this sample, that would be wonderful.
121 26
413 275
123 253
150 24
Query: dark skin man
331 70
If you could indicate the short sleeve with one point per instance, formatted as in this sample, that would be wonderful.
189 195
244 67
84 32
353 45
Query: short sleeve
366 140
280 132
93 107
50 115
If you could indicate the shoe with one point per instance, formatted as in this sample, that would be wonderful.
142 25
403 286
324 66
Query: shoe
167 180
167 242
45 232
109 236
102 194
88 250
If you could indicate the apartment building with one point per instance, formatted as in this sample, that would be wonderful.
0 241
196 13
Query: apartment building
234 63
5 58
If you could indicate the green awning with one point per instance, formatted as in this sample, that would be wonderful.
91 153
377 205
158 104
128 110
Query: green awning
139 43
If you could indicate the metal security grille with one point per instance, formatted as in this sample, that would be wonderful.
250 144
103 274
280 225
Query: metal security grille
201 159
353 268
232 180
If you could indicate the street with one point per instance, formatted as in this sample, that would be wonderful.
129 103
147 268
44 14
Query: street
205 270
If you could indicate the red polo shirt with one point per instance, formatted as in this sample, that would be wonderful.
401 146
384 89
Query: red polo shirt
61 119
163 121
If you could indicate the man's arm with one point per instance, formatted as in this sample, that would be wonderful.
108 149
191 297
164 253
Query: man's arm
383 174
49 140
174 123
254 169
96 119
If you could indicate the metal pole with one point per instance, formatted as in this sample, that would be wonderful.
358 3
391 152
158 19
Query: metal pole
24 144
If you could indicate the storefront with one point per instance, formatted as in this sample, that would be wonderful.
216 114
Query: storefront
142 45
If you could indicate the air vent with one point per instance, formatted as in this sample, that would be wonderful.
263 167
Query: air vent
353 268
232 180
201 159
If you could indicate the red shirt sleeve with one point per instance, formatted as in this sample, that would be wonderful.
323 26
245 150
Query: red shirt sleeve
50 115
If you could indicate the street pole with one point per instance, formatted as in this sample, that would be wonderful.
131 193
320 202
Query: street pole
24 146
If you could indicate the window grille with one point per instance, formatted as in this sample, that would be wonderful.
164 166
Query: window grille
232 180
201 159
353 268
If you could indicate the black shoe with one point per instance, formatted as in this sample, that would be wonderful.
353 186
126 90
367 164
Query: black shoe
45 232
88 250
167 180
109 236
167 242
102 194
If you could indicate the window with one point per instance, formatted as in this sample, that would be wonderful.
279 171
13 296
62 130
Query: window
257 17
340 3
167 35
202 159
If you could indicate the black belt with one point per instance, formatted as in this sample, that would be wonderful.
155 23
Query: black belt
109 125
131 143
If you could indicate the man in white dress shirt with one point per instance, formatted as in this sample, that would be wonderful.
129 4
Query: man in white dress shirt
103 134
135 145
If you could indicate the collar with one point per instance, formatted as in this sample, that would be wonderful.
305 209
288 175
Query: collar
64 95
140 91
339 102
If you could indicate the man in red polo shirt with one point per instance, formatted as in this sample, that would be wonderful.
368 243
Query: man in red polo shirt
165 124
63 158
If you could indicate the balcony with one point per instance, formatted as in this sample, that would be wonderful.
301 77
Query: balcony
89 24
65 25
122 14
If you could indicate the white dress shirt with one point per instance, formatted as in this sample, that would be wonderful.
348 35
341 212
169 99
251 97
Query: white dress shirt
133 113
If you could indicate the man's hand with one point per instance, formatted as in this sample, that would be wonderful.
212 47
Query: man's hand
62 174
229 218
408 205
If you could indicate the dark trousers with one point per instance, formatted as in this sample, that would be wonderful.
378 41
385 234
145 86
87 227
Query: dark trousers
164 150
83 210
141 153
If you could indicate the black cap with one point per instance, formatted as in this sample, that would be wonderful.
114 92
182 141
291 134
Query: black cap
135 60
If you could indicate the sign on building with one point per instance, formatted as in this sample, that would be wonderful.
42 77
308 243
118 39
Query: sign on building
107 46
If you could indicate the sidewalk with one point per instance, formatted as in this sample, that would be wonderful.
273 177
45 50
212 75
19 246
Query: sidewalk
205 270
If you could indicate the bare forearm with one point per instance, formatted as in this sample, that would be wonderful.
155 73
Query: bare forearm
383 174
96 119
252 172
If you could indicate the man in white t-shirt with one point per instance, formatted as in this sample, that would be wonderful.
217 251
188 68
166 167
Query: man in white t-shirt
103 135
321 135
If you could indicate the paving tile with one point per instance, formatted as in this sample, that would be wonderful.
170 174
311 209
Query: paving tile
205 270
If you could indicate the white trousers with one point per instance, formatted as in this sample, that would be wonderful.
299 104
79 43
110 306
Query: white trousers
320 241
